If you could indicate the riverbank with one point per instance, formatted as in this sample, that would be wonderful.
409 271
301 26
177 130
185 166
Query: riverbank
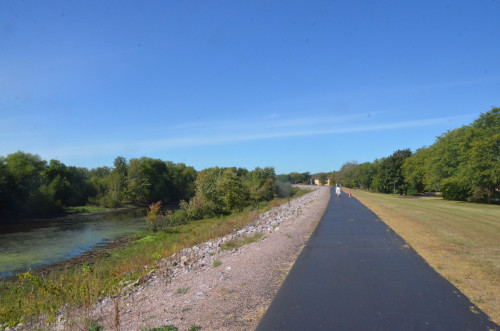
89 257
223 283
26 246
83 285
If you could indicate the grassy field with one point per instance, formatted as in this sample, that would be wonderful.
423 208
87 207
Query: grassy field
461 240
81 286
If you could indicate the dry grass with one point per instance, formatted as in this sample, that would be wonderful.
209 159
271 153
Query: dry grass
460 240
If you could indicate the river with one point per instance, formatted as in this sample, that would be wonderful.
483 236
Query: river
29 245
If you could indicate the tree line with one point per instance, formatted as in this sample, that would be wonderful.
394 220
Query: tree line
463 164
32 187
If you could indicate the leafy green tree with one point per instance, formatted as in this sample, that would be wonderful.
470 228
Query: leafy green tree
159 174
366 172
375 183
98 185
455 188
462 163
300 178
220 190
445 157
484 157
117 183
224 190
390 174
31 187
414 169
25 178
182 179
261 184
6 190
233 193
348 174
138 184
69 184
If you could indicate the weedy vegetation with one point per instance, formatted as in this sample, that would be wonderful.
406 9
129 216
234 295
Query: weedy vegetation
71 293
239 242
183 290
161 328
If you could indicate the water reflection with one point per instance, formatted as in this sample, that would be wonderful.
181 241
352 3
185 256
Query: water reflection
30 245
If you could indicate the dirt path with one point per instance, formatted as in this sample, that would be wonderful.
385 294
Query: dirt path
233 295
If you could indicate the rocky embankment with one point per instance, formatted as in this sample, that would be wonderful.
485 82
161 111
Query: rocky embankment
215 288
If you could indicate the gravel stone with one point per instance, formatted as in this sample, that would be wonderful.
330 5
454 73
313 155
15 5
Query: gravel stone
231 297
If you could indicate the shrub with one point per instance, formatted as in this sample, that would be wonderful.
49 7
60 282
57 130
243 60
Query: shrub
198 208
154 219
479 194
107 201
178 217
455 189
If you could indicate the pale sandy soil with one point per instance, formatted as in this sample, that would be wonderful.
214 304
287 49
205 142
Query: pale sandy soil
231 296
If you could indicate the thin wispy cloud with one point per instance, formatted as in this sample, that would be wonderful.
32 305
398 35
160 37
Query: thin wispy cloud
271 116
238 132
274 121
486 79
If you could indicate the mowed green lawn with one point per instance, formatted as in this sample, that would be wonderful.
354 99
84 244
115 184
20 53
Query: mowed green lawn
461 240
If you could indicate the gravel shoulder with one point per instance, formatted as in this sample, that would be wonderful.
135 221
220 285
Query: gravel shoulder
192 290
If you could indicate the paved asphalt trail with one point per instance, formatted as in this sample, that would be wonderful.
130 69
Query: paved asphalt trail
355 273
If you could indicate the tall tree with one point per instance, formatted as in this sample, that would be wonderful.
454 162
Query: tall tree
25 177
389 175
484 156
261 183
118 182
347 174
138 184
414 169
366 172
6 190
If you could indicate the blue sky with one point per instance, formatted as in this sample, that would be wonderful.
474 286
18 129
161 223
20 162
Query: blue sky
297 85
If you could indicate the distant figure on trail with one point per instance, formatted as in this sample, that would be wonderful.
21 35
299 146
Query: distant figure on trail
337 190
350 192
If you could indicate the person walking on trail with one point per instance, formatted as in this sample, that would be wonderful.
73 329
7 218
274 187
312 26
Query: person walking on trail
350 192
337 190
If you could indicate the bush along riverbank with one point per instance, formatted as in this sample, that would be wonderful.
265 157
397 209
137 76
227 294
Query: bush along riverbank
43 298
